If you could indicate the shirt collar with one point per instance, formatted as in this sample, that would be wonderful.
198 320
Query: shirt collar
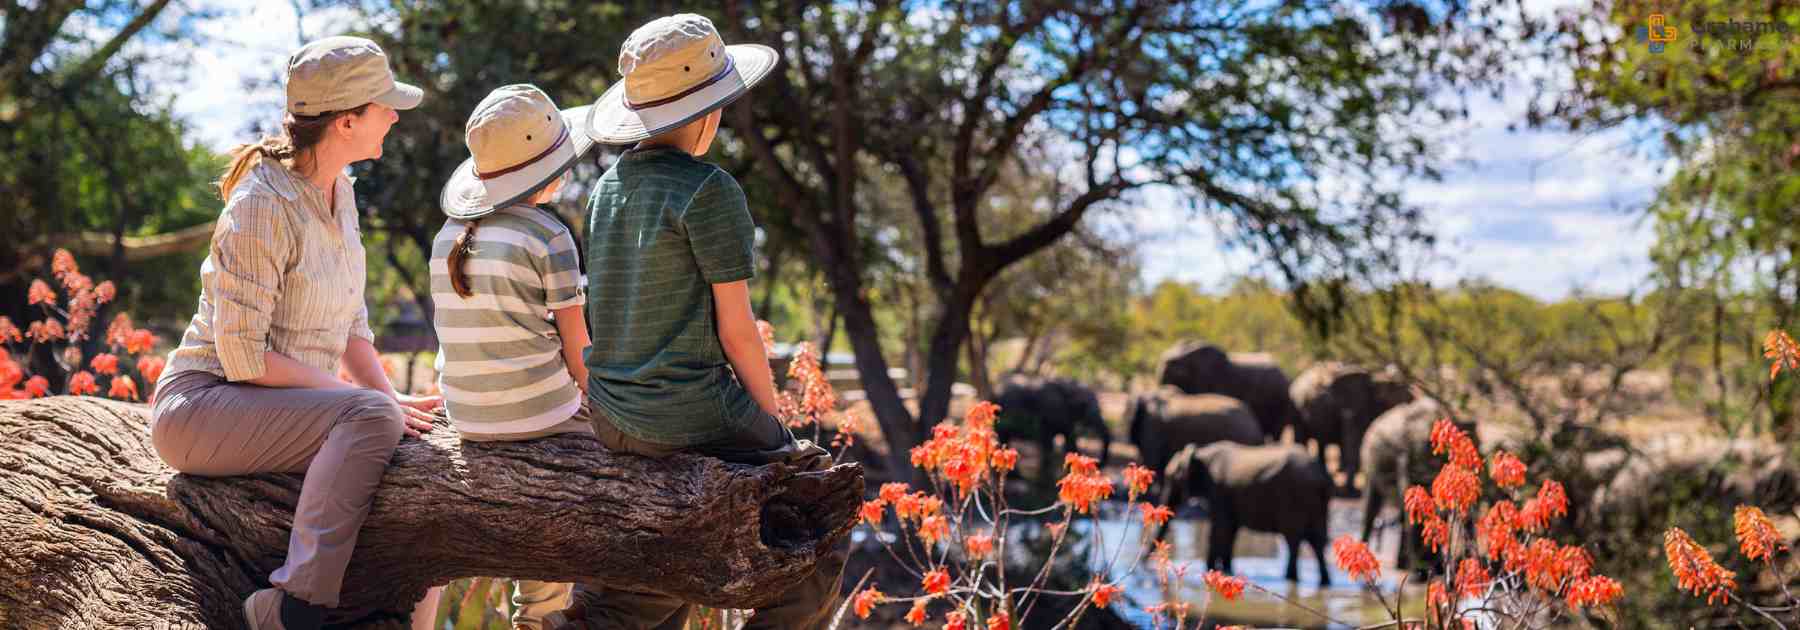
290 184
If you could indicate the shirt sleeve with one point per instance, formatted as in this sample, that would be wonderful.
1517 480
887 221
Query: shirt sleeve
720 230
360 327
561 269
243 277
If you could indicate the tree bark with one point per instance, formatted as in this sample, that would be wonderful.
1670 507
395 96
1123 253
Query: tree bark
95 531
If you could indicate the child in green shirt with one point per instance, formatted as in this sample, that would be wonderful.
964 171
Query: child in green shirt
677 364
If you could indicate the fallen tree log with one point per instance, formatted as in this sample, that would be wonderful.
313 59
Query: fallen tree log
96 532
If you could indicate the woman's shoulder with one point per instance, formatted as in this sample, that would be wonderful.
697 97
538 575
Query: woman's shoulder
266 187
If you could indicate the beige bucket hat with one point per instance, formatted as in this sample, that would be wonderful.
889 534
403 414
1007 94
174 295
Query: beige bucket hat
518 142
675 69
339 73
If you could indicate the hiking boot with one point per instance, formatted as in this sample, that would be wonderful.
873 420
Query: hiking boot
262 610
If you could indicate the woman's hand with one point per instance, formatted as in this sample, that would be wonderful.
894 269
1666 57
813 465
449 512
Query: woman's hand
418 412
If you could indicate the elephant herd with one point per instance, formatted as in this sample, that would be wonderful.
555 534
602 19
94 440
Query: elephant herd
1214 429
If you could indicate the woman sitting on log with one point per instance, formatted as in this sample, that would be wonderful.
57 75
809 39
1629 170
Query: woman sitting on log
252 387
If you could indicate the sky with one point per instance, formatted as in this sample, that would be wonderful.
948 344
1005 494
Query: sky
1545 212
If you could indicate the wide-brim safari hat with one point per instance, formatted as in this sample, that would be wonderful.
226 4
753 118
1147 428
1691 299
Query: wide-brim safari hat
675 70
518 143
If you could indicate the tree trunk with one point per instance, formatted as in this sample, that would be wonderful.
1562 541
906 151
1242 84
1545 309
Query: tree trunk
96 532
951 328
898 427
978 360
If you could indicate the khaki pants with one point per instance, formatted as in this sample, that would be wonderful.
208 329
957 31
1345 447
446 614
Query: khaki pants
340 438
803 606
535 602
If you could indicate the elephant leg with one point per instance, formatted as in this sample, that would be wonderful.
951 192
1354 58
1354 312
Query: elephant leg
1047 466
1220 541
1173 495
1293 559
1105 439
1372 501
1317 540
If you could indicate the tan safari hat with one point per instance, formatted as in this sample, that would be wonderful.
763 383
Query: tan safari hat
676 69
339 73
518 143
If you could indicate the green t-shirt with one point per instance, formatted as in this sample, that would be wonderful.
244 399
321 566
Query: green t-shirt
663 227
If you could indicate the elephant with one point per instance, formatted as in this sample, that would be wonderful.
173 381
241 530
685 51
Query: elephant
1164 421
1200 368
1397 452
1337 402
1276 488
1678 471
1044 408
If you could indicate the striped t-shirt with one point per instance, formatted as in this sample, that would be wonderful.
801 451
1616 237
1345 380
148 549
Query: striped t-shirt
500 358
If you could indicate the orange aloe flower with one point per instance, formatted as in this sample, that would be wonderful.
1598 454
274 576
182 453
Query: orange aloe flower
936 582
1594 590
981 415
979 546
140 341
865 601
1005 459
40 293
105 363
1138 479
1496 528
1355 558
1780 347
82 384
1446 438
1418 504
1507 470
151 368
1455 488
1104 593
1694 568
871 512
1756 536
1228 587
1471 578
916 616
37 387
891 492
933 529
1000 621
1155 514
122 388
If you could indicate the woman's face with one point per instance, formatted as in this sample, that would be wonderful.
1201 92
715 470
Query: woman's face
363 133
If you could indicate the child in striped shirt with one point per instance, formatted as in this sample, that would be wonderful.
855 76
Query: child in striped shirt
508 291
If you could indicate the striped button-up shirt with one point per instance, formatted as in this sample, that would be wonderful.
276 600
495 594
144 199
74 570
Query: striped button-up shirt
285 274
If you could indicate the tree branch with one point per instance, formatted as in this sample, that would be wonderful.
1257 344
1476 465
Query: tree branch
919 185
97 61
